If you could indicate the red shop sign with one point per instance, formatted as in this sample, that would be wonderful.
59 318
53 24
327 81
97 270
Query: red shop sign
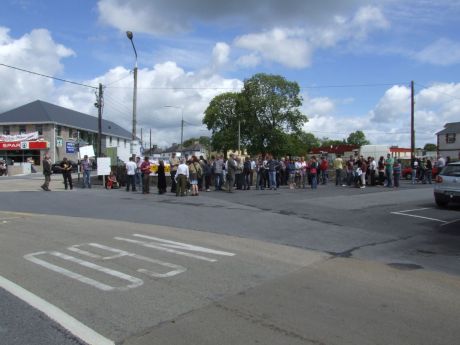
23 145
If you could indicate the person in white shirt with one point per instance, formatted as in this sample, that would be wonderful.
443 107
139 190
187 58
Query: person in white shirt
181 178
131 167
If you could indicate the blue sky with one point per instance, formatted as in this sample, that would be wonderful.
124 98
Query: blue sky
190 51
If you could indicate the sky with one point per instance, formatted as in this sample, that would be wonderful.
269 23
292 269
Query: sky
354 60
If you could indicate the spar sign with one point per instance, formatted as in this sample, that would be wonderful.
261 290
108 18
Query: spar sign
23 145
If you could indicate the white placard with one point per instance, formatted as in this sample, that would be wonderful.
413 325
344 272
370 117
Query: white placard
103 166
87 150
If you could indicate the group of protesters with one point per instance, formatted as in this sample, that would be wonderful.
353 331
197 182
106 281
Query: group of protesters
191 175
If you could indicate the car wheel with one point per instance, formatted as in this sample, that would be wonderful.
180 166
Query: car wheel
441 201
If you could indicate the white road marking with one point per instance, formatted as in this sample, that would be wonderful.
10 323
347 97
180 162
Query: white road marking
177 269
71 324
416 216
135 282
451 222
417 209
185 246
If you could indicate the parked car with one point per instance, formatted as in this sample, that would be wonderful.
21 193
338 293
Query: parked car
407 172
447 187
56 169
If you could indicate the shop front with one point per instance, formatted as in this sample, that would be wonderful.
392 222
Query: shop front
22 148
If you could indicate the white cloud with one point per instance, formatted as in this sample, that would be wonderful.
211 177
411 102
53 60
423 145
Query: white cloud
393 106
35 51
166 84
177 16
278 45
220 54
443 52
248 61
389 121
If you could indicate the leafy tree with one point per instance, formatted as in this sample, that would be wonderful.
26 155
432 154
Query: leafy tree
269 105
430 147
332 142
205 141
357 138
221 118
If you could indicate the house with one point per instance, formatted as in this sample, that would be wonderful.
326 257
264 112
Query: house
449 141
36 128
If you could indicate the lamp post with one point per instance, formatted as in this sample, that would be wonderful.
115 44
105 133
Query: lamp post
129 34
181 122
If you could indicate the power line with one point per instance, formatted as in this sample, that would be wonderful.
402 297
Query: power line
48 76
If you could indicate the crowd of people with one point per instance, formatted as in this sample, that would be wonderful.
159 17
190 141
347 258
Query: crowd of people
192 175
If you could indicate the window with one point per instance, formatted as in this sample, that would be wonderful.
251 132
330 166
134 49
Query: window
110 140
39 129
6 130
118 142
59 131
125 143
450 138
22 129
70 132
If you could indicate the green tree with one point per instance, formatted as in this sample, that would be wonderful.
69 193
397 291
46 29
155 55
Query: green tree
430 147
357 138
221 118
205 141
269 106
332 142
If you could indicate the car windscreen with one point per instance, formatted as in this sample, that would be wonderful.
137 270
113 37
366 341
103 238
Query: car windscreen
451 170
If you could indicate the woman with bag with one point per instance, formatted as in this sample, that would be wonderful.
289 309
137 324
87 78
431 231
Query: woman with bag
195 173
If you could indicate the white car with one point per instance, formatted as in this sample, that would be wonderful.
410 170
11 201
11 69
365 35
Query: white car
447 187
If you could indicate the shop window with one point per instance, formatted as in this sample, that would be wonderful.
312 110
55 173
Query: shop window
22 129
39 129
450 138
6 130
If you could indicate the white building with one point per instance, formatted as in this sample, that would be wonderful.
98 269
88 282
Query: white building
449 141
60 132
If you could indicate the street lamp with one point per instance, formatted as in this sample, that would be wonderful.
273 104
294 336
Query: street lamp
129 34
181 123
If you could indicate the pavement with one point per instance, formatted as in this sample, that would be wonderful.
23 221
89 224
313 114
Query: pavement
333 266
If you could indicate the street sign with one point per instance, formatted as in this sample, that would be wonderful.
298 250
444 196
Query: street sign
70 147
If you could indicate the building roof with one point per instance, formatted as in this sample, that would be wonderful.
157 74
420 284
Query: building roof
40 112
452 127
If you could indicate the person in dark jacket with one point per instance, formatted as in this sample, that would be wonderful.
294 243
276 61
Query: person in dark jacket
161 178
47 172
66 169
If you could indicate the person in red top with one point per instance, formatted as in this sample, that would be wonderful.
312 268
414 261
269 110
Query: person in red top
324 166
145 170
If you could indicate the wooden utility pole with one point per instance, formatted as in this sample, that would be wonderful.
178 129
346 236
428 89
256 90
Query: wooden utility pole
412 122
99 121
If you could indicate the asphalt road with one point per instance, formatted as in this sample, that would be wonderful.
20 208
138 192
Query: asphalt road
333 266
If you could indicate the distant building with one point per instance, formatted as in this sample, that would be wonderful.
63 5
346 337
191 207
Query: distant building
332 151
195 149
449 141
33 129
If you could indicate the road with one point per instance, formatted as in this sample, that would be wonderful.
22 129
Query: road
333 266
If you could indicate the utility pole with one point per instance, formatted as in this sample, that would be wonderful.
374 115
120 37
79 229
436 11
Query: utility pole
182 132
412 122
99 121
150 143
239 137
